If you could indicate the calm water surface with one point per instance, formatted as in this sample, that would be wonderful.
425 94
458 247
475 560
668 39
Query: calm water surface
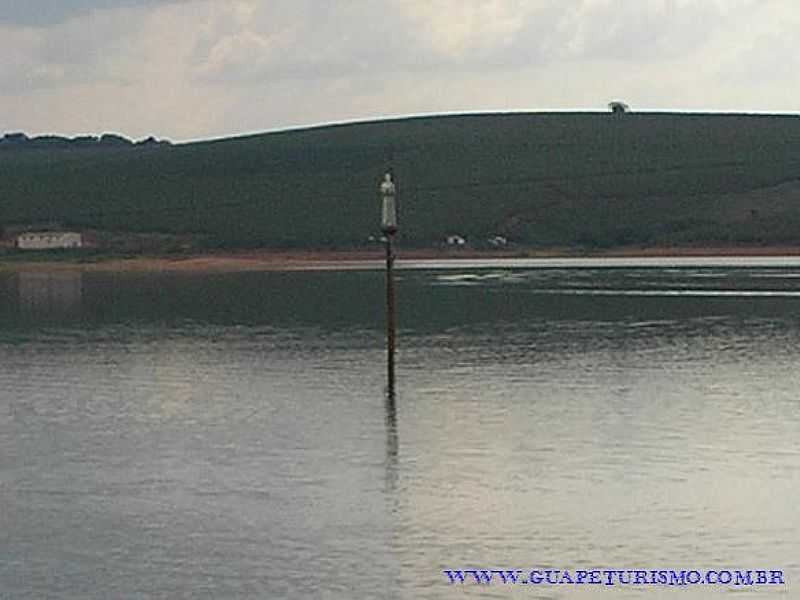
227 436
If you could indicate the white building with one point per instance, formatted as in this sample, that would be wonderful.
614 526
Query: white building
455 240
49 240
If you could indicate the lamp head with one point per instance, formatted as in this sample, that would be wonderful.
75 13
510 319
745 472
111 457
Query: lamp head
389 208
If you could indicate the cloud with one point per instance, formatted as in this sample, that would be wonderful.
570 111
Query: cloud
76 51
122 70
250 42
246 41
43 13
456 30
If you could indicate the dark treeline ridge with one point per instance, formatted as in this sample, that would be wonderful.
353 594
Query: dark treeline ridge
21 141
591 180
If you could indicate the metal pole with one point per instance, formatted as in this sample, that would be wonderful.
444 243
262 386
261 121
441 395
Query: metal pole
390 316
389 228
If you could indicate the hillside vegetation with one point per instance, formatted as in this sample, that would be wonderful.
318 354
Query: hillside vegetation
556 179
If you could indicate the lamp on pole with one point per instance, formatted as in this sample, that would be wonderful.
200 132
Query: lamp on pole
388 192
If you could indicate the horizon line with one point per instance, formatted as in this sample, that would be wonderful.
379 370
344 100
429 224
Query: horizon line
419 115
466 113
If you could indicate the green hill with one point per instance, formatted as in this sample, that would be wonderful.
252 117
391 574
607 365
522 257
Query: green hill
538 179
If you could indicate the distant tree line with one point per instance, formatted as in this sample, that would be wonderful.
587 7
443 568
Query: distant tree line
107 140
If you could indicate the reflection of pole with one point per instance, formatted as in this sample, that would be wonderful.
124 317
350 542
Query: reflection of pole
389 228
392 444
390 316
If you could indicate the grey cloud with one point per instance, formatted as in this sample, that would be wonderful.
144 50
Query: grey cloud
306 40
66 54
772 57
43 13
291 40
643 30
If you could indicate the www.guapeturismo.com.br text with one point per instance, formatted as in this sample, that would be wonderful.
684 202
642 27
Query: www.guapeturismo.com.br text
611 577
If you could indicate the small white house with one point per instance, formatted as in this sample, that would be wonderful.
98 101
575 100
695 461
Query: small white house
49 240
455 240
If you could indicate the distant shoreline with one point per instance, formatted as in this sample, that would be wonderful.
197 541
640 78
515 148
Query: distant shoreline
301 260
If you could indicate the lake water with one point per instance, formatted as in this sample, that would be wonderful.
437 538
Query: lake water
227 435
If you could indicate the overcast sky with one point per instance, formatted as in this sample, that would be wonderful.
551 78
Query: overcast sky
191 69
